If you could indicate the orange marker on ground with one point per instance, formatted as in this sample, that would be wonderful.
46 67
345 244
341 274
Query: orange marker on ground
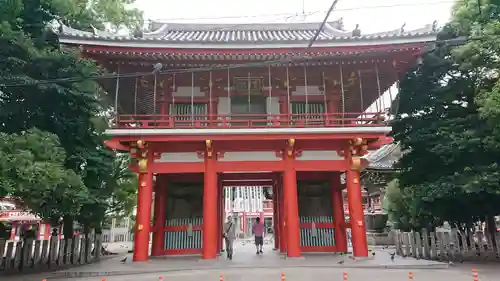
475 275
221 277
283 278
410 275
345 276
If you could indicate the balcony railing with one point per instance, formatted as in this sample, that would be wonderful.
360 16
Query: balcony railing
192 121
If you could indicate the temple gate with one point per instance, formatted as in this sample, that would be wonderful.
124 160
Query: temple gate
245 105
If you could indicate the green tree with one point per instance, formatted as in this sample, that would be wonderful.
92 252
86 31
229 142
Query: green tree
32 168
110 15
30 54
446 123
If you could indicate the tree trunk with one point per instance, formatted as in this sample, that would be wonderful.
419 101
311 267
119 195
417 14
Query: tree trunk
68 227
86 233
68 233
491 228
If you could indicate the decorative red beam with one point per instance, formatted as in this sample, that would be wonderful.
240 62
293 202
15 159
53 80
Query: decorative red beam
247 183
249 176
250 166
320 165
210 51
175 168
198 177
269 136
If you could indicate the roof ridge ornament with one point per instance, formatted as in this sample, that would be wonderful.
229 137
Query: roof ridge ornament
337 24
162 30
356 32
402 29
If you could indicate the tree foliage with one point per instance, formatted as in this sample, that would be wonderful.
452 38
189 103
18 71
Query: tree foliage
101 14
448 125
34 160
67 116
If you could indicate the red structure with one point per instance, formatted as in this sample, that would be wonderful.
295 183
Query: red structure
248 104
16 220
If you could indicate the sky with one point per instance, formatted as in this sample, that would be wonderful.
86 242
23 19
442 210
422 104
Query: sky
372 16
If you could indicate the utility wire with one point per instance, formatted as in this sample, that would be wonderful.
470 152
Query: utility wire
313 12
334 3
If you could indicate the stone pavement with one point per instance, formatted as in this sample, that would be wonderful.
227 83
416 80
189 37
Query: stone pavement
244 258
291 274
246 264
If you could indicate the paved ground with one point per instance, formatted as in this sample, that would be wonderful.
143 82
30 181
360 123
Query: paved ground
246 265
292 274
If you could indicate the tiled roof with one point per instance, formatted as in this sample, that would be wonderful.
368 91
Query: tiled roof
385 157
246 33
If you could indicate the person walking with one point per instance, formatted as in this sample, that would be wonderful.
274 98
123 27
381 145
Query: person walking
258 231
229 237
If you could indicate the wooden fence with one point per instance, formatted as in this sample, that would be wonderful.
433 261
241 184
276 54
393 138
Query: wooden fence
39 255
450 245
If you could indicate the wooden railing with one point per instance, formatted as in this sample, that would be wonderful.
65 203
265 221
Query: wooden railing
192 121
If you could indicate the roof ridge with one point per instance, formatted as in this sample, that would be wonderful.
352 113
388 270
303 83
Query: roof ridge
241 34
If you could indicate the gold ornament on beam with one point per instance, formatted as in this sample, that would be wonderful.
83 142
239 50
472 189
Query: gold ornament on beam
208 144
357 141
141 144
143 165
355 163
291 143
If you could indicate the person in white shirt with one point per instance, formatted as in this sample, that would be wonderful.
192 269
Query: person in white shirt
229 236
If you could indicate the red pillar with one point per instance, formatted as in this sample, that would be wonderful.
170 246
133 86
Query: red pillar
282 216
355 199
291 207
46 234
158 246
143 217
338 215
210 208
13 229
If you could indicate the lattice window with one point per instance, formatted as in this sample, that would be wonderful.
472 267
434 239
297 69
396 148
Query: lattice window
313 112
185 114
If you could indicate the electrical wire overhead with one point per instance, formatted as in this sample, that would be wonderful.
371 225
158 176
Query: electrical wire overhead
367 7
334 3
